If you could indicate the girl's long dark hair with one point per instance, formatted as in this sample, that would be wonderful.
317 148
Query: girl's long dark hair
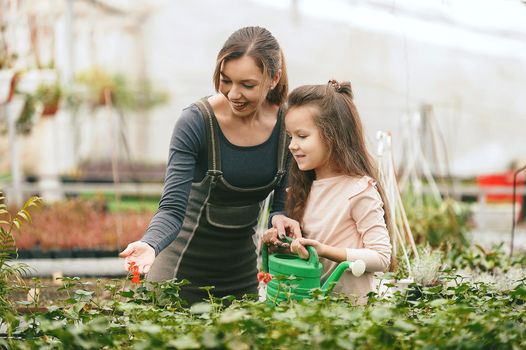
341 129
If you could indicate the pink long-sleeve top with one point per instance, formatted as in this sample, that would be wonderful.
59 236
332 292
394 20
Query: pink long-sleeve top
347 212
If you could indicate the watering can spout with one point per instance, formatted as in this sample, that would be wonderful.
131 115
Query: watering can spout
357 268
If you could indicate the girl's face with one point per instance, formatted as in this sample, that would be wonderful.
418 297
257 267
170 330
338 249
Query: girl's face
306 144
242 84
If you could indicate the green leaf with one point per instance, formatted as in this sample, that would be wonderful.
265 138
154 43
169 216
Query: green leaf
230 316
438 302
201 308
24 215
33 202
238 345
78 307
127 293
405 325
380 313
185 342
83 293
150 328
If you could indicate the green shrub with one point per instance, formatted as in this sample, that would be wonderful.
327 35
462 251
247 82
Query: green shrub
441 224
10 272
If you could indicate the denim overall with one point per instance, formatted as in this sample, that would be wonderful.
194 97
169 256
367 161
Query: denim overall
215 245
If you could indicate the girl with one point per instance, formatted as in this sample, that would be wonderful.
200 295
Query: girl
332 189
228 152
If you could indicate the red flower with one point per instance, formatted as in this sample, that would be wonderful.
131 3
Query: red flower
134 270
264 277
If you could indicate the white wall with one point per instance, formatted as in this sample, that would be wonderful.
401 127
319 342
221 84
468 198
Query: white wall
466 58
473 79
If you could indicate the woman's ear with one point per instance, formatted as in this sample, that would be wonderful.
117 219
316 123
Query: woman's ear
275 79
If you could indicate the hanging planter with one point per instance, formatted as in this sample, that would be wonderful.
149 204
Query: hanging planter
102 88
41 87
49 96
42 95
8 80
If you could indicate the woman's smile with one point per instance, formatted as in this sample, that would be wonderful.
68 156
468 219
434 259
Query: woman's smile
239 106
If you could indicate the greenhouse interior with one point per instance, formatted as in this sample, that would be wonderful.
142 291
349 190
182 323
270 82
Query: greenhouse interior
262 174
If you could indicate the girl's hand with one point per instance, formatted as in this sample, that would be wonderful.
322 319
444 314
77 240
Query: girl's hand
286 226
270 237
274 245
142 254
298 246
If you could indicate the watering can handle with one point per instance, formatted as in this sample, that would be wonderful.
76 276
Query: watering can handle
357 268
313 255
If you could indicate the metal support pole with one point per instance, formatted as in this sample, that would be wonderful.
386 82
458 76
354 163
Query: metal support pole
16 172
68 69
513 209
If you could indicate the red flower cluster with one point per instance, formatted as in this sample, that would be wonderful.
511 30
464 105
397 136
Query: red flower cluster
134 270
264 277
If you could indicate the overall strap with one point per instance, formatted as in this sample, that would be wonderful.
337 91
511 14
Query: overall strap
212 137
283 144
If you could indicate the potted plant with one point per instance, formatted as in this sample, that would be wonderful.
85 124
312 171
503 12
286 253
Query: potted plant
49 96
103 88
37 87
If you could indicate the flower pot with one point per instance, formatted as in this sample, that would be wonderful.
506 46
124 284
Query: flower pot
40 254
84 253
61 254
108 253
50 110
25 254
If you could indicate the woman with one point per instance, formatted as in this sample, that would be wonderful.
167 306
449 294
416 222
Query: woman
227 153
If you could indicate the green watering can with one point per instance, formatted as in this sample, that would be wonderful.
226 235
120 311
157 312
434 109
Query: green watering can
307 274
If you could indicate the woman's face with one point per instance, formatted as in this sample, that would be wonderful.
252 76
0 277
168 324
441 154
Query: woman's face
242 83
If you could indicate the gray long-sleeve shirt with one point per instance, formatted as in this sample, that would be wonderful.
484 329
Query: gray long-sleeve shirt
243 167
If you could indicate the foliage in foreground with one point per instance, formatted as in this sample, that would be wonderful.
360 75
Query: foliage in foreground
458 314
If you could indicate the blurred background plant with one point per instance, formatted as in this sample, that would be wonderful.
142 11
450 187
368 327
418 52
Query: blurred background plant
442 224
99 88
80 224
46 98
11 272
49 96
7 57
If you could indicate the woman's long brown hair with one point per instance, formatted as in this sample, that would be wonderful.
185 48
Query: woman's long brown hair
260 44
341 129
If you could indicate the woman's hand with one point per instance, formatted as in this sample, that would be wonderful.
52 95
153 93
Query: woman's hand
286 226
139 252
298 246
